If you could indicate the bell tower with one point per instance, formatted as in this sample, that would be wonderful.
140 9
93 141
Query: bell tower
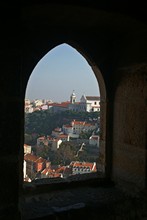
73 97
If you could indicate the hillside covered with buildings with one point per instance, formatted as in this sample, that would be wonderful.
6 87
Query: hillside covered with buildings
61 141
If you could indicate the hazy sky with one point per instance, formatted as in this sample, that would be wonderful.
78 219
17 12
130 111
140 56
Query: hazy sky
58 73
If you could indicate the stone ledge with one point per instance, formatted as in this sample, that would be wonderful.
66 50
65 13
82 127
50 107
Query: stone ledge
65 201
49 184
103 203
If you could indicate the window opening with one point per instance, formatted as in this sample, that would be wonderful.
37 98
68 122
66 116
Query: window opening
62 117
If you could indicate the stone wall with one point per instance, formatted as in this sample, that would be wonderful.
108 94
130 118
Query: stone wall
129 141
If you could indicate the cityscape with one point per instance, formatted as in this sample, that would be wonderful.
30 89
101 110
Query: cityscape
61 139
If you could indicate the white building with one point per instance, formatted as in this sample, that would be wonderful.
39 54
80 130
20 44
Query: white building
44 107
67 129
82 167
94 140
86 104
75 106
91 103
24 168
28 106
73 98
77 127
29 109
27 149
82 126
27 102
38 102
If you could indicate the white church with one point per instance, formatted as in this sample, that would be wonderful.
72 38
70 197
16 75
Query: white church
86 104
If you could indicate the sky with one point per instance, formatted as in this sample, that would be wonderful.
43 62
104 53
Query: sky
60 72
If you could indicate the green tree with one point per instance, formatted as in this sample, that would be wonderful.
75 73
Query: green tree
65 154
42 123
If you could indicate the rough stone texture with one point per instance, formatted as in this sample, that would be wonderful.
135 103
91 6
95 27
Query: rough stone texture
67 200
87 203
129 141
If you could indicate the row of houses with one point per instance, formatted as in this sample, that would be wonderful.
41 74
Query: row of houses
75 128
37 168
55 142
86 104
72 130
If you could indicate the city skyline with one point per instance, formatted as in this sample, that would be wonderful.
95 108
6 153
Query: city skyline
60 72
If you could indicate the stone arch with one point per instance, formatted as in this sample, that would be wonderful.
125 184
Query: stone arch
113 40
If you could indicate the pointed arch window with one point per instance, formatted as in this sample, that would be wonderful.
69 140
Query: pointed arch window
49 149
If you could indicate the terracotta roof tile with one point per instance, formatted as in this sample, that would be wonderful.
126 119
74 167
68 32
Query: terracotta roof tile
83 164
30 157
67 126
63 136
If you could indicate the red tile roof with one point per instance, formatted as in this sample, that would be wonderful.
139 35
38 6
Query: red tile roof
78 122
67 126
88 124
33 158
62 105
63 136
83 164
30 157
74 122
94 137
60 169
